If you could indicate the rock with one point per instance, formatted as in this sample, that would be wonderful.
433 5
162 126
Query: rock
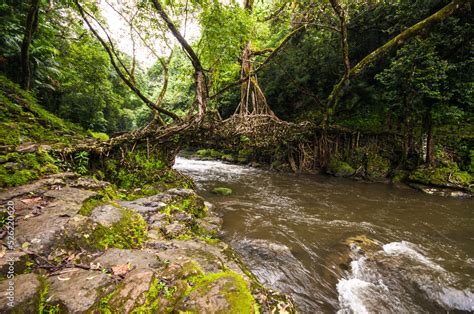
208 228
174 230
106 215
340 168
43 231
181 192
158 221
89 183
222 191
137 258
26 290
147 205
182 217
20 259
45 147
77 289
131 292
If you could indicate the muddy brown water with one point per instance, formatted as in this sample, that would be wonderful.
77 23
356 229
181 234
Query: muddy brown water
338 245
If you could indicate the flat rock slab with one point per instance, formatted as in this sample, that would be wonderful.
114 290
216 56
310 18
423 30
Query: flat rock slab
77 289
131 292
213 297
26 292
136 258
106 215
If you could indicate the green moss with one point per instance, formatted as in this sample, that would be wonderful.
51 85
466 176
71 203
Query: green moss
209 154
193 204
227 157
153 297
43 305
128 233
340 168
234 290
442 176
99 136
244 155
222 191
23 120
19 169
104 196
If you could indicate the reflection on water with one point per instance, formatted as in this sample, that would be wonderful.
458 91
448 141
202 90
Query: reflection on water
341 245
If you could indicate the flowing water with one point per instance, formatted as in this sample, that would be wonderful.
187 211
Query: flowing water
338 245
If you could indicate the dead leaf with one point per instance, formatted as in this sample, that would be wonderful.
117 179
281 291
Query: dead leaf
120 270
29 201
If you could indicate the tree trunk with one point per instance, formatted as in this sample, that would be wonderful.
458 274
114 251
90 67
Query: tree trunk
252 98
199 77
30 29
428 149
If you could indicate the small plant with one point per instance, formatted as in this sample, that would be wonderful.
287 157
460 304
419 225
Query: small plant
82 162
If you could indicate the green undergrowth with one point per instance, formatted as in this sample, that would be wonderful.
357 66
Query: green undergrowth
192 204
21 168
44 306
22 120
140 170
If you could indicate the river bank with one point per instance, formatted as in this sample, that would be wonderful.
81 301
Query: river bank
77 247
440 181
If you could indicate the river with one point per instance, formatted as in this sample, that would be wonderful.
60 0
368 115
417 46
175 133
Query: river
339 245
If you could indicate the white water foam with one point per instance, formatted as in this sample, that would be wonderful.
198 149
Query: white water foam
409 250
352 295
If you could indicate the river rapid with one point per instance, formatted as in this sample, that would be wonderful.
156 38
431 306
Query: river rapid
339 245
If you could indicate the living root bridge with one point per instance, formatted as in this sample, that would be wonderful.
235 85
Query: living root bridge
305 146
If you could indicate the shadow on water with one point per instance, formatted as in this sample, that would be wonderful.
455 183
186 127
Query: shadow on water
341 245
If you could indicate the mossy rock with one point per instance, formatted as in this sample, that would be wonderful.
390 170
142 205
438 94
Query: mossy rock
127 233
442 176
340 168
222 191
224 292
244 155
228 157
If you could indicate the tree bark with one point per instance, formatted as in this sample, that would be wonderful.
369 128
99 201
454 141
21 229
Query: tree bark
31 27
396 41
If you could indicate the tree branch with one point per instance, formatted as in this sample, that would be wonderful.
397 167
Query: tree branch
127 82
396 41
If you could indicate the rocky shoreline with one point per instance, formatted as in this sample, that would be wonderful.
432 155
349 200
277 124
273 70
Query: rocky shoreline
76 251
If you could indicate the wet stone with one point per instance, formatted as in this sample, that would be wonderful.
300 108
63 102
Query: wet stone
106 215
136 258
26 290
77 289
